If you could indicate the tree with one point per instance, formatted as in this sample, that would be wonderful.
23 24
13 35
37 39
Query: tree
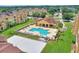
43 14
60 25
68 16
73 39
3 10
53 10
68 13
11 23
39 14
68 10
36 14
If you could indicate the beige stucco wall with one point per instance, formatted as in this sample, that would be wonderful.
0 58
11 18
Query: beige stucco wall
3 25
43 22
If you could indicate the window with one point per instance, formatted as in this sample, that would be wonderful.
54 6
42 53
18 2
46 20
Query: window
46 25
14 16
39 24
51 25
6 18
1 28
43 25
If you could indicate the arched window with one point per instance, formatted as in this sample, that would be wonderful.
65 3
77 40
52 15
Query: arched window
43 25
51 25
46 25
39 24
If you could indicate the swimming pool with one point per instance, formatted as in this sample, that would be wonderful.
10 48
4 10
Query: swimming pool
43 32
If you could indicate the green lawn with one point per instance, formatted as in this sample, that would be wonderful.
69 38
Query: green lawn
27 35
9 32
62 45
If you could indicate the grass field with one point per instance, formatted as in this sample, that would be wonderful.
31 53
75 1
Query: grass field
9 32
35 37
62 45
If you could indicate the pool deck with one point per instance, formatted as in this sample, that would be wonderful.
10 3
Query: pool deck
52 32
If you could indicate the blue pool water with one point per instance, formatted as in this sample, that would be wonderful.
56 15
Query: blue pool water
43 33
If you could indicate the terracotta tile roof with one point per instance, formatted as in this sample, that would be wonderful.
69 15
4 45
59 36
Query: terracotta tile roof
50 20
2 44
2 39
6 47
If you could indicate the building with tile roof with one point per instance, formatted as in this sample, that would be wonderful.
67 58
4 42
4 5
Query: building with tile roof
46 22
12 16
6 47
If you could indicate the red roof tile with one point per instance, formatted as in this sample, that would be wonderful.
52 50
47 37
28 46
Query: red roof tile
8 48
50 20
2 39
2 44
